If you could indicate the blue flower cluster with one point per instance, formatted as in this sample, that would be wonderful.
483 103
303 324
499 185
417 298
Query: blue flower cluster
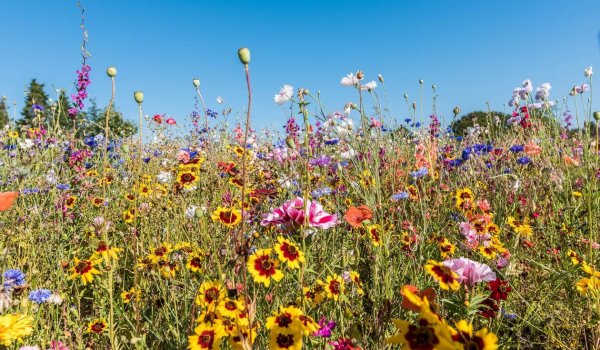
13 278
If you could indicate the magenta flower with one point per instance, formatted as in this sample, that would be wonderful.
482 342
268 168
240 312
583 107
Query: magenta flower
292 213
325 328
57 345
469 271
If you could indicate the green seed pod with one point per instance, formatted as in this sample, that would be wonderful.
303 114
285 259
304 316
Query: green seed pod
138 96
244 55
597 116
111 72
456 111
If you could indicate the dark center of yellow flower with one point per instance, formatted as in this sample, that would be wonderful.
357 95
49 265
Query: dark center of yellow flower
285 340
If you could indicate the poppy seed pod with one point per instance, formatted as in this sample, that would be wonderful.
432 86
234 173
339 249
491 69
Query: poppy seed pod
244 55
421 81
138 96
597 116
111 72
196 82
456 111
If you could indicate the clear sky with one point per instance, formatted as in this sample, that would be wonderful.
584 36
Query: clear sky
474 51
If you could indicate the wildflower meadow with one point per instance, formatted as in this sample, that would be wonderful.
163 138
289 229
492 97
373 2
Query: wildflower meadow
348 227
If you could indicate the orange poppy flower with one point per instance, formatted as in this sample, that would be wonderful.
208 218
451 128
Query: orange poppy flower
355 216
7 199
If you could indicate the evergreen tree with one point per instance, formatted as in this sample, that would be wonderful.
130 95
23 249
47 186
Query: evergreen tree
4 119
36 99
119 127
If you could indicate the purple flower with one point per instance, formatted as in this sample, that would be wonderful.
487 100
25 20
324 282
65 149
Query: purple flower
325 328
320 161
39 296
469 271
523 160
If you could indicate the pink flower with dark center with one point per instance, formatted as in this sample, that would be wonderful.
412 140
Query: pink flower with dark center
469 271
294 212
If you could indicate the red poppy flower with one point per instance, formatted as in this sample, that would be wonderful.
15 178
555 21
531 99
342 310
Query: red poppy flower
355 216
158 118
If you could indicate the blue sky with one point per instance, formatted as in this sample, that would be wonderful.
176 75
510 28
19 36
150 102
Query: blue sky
474 51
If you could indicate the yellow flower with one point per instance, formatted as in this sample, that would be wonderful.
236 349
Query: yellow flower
263 268
447 278
106 252
586 285
210 294
429 333
84 269
464 199
97 326
446 248
285 341
13 327
230 307
289 253
375 234
194 263
161 252
355 278
70 202
130 295
334 286
206 337
316 294
464 338
227 216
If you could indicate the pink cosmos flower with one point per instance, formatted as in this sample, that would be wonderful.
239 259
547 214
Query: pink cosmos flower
470 272
292 213
171 121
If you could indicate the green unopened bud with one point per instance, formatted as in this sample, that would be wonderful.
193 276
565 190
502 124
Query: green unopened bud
456 111
125 148
196 82
289 141
111 72
597 116
421 81
244 55
354 106
199 212
414 105
406 96
138 96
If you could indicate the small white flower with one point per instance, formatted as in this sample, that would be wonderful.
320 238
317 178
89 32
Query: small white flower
34 347
349 80
219 100
284 95
164 177
190 212
588 72
369 86
27 144
55 299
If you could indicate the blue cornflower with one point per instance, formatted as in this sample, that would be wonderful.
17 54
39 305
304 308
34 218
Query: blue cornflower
37 107
40 296
332 142
13 278
524 160
400 195
517 148
147 159
27 191
319 192
211 113
420 173
407 120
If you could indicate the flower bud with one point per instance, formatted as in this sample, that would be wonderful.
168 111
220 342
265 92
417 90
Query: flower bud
406 96
360 75
414 105
196 82
138 96
597 116
433 86
290 142
111 72
244 55
380 77
456 111
421 81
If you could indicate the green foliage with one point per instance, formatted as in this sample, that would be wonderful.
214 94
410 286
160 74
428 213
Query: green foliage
3 113
119 126
35 95
486 119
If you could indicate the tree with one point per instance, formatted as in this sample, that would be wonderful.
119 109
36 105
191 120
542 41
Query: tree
36 101
4 119
485 119
119 127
